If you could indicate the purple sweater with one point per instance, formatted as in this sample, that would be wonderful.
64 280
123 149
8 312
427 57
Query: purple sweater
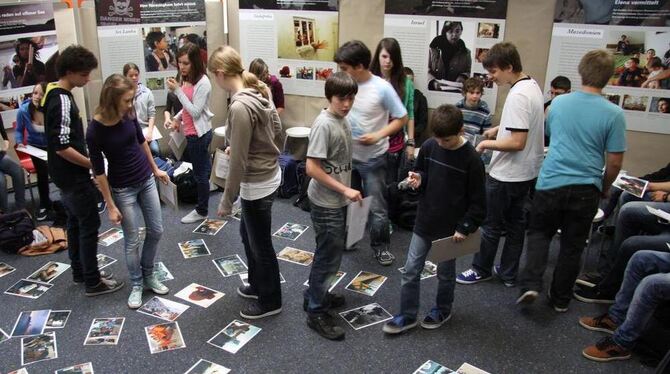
121 144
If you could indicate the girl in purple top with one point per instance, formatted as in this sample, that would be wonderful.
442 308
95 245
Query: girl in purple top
129 187
260 69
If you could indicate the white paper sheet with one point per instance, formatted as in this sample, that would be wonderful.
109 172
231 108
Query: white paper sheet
222 164
168 193
33 151
357 218
659 213
155 135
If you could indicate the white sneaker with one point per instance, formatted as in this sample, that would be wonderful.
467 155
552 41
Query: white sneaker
192 217
135 298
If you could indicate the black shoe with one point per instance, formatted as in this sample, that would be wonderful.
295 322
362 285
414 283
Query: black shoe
606 230
333 300
526 297
594 296
589 279
247 292
558 307
383 256
325 326
103 275
104 286
255 311
41 215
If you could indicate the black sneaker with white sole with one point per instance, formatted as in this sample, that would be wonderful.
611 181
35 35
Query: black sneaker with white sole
593 295
589 279
41 215
325 325
527 297
383 256
105 286
255 311
103 275
247 292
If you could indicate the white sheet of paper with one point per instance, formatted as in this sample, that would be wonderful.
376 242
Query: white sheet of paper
155 134
178 137
222 164
177 149
168 193
34 151
446 249
357 219
3 145
659 213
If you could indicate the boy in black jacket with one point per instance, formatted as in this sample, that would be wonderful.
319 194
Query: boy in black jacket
69 168
450 174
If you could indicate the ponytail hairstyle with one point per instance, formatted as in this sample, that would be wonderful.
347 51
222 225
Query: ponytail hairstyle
227 60
115 86
197 65
32 108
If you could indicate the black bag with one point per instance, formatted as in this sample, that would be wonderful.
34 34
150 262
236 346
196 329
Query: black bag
16 231
403 203
302 201
289 176
187 188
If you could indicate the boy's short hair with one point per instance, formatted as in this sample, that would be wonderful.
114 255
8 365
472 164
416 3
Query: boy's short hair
154 37
341 85
473 84
503 56
446 120
76 59
635 60
561 83
655 63
408 70
596 68
353 53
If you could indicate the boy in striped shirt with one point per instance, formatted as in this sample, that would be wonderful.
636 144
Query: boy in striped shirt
476 113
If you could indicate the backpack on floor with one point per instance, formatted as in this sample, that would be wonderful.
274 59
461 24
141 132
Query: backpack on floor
16 231
187 188
302 201
289 176
55 241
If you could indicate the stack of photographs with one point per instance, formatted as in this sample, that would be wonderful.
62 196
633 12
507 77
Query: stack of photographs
296 256
291 231
230 265
432 367
164 337
193 248
207 367
86 368
365 316
38 348
5 269
210 226
366 283
31 323
105 331
163 308
331 283
48 272
28 289
110 237
57 319
234 336
429 270
199 295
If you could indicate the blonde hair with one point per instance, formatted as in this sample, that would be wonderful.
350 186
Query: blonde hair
115 86
596 68
228 61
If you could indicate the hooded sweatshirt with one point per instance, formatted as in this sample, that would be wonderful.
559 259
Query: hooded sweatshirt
253 123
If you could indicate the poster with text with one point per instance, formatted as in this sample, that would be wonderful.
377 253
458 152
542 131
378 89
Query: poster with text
636 35
28 49
148 34
296 39
444 43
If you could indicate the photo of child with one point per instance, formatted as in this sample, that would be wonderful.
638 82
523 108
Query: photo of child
488 30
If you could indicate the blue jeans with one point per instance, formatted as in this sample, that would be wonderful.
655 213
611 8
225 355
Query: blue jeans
153 146
14 170
256 232
198 152
330 231
504 211
132 201
83 221
571 209
371 175
411 280
646 284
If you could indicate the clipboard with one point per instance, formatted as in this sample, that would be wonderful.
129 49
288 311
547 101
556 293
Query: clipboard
446 249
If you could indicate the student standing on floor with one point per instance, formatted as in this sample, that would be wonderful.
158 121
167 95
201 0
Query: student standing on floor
195 117
450 177
30 119
253 123
375 103
145 109
70 168
587 133
515 164
329 166
130 191
259 68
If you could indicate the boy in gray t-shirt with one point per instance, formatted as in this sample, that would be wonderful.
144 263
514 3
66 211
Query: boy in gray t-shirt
329 165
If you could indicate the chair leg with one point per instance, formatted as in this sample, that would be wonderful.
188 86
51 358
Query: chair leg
30 189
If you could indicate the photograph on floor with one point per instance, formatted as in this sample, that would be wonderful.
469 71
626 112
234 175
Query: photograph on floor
366 316
207 367
104 331
210 226
161 272
3 336
86 368
48 272
429 270
291 231
230 265
38 348
28 289
6 269
110 237
331 282
296 256
234 336
199 295
104 260
193 248
164 337
366 283
30 323
163 308
432 367
57 319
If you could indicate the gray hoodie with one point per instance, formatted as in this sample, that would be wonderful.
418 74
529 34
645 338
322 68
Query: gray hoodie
253 124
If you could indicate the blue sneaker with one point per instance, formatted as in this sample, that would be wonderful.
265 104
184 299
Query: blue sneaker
471 276
507 283
399 324
434 319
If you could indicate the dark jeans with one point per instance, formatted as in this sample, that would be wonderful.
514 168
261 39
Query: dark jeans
646 285
42 169
83 223
255 229
504 211
330 231
410 290
370 177
571 209
198 152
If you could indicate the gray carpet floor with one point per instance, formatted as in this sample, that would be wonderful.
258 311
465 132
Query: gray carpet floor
487 329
